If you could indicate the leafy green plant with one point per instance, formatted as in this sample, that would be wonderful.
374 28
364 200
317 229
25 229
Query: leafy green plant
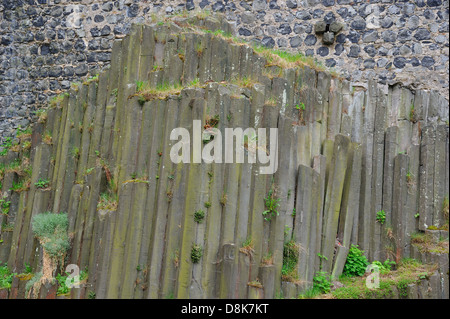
384 267
42 183
381 217
19 186
28 269
4 206
321 282
272 204
6 277
199 215
75 152
5 146
62 281
196 253
300 106
356 262
207 204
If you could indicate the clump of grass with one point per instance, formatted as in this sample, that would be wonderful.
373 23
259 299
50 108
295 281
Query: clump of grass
247 247
408 271
267 259
47 138
445 213
287 60
255 283
223 199
23 134
57 100
6 146
425 242
42 115
108 201
246 82
161 91
290 261
93 78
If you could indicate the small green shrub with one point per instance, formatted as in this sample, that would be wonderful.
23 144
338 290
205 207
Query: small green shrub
5 146
28 269
272 204
51 230
62 279
4 206
356 262
384 267
196 253
381 217
199 215
6 277
321 282
42 183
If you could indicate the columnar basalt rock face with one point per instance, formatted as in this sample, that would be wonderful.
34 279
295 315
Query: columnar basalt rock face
47 44
345 154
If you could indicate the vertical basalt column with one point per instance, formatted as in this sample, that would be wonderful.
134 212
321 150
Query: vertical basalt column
84 126
399 205
192 54
245 60
162 199
367 215
94 123
67 142
349 208
302 230
193 202
412 196
426 177
319 166
204 65
440 166
377 172
277 224
334 109
333 197
173 64
347 109
390 152
357 110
